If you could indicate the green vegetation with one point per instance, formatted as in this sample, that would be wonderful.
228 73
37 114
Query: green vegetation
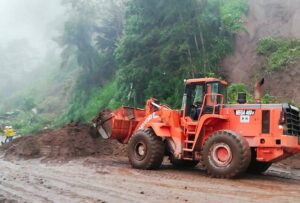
89 40
159 50
99 99
124 59
233 91
278 53
117 53
235 88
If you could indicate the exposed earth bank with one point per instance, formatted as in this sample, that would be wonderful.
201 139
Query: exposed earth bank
266 18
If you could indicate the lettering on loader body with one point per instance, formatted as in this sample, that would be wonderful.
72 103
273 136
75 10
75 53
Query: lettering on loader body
244 115
149 118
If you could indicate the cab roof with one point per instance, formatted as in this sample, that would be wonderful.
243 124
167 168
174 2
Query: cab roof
205 80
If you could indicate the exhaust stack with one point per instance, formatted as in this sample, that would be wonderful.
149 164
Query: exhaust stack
258 91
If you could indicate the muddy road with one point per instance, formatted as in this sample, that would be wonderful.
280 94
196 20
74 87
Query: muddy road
68 165
111 179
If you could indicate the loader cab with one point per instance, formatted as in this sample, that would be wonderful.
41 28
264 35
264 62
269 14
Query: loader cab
203 96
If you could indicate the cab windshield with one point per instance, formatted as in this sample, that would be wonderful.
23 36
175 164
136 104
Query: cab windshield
198 98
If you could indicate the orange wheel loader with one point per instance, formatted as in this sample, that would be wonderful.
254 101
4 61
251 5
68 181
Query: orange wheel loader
228 139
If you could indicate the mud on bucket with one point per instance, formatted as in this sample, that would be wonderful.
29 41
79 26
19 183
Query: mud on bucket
102 124
118 124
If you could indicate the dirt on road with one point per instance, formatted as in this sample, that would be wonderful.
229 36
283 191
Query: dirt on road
68 165
111 179
71 141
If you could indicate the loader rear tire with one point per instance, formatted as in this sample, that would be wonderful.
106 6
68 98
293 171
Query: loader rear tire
146 150
177 163
226 154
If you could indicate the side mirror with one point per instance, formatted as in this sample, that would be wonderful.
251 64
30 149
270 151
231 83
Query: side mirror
242 98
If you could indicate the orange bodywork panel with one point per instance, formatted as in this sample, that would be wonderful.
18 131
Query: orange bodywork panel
123 123
258 123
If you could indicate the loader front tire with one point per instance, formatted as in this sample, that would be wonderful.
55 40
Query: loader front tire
146 150
226 154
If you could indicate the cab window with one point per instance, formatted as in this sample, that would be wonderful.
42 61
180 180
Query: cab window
194 95
224 93
198 94
212 88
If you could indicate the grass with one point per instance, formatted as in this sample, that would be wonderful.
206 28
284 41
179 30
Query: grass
84 107
279 53
235 88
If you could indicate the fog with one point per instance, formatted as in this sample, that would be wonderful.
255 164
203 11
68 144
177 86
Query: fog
32 20
27 30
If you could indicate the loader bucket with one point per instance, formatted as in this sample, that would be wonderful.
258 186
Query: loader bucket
118 124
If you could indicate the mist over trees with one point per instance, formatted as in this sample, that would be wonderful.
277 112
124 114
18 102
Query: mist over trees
117 52
127 51
27 29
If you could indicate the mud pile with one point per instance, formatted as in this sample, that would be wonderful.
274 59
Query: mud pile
66 143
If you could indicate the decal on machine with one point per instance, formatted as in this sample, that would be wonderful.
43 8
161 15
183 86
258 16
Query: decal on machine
149 118
244 115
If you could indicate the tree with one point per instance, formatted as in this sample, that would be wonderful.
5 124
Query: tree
185 39
90 36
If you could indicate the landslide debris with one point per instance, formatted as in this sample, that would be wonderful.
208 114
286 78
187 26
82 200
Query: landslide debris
73 140
266 18
77 140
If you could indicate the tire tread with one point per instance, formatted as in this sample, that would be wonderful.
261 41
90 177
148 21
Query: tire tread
243 148
157 149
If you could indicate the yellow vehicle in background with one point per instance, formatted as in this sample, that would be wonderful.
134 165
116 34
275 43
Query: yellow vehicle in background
9 133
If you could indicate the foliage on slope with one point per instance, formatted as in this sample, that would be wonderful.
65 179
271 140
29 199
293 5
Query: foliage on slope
278 53
89 41
185 39
235 88
133 52
122 52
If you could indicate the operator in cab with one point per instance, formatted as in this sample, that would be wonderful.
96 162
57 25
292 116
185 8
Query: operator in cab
198 99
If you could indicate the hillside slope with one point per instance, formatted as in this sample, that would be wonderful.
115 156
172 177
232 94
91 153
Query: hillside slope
265 18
